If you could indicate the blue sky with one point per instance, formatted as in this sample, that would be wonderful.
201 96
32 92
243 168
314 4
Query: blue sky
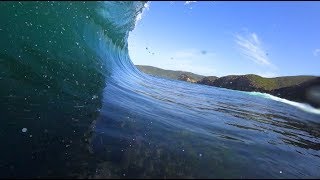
224 38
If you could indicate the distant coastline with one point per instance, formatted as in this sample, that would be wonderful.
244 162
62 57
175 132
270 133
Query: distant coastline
305 89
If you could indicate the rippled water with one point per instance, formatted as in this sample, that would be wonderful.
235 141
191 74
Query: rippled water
66 78
200 131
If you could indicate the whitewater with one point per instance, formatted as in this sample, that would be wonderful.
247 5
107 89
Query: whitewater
74 106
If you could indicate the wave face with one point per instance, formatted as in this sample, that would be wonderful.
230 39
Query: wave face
73 105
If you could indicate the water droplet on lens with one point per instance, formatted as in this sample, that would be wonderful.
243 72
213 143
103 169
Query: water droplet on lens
24 130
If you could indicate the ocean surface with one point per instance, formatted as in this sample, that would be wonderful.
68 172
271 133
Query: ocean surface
72 104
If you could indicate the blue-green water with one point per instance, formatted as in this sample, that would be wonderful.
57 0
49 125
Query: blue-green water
73 105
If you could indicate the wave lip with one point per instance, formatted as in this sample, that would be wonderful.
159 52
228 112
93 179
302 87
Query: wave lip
301 106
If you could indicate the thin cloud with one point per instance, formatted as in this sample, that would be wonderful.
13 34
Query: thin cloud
250 46
316 52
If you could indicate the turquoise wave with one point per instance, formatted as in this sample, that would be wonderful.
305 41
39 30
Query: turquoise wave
55 59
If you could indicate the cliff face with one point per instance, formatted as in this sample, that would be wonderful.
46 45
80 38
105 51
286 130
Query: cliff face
184 77
209 80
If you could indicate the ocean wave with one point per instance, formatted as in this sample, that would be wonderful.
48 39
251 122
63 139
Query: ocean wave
74 105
